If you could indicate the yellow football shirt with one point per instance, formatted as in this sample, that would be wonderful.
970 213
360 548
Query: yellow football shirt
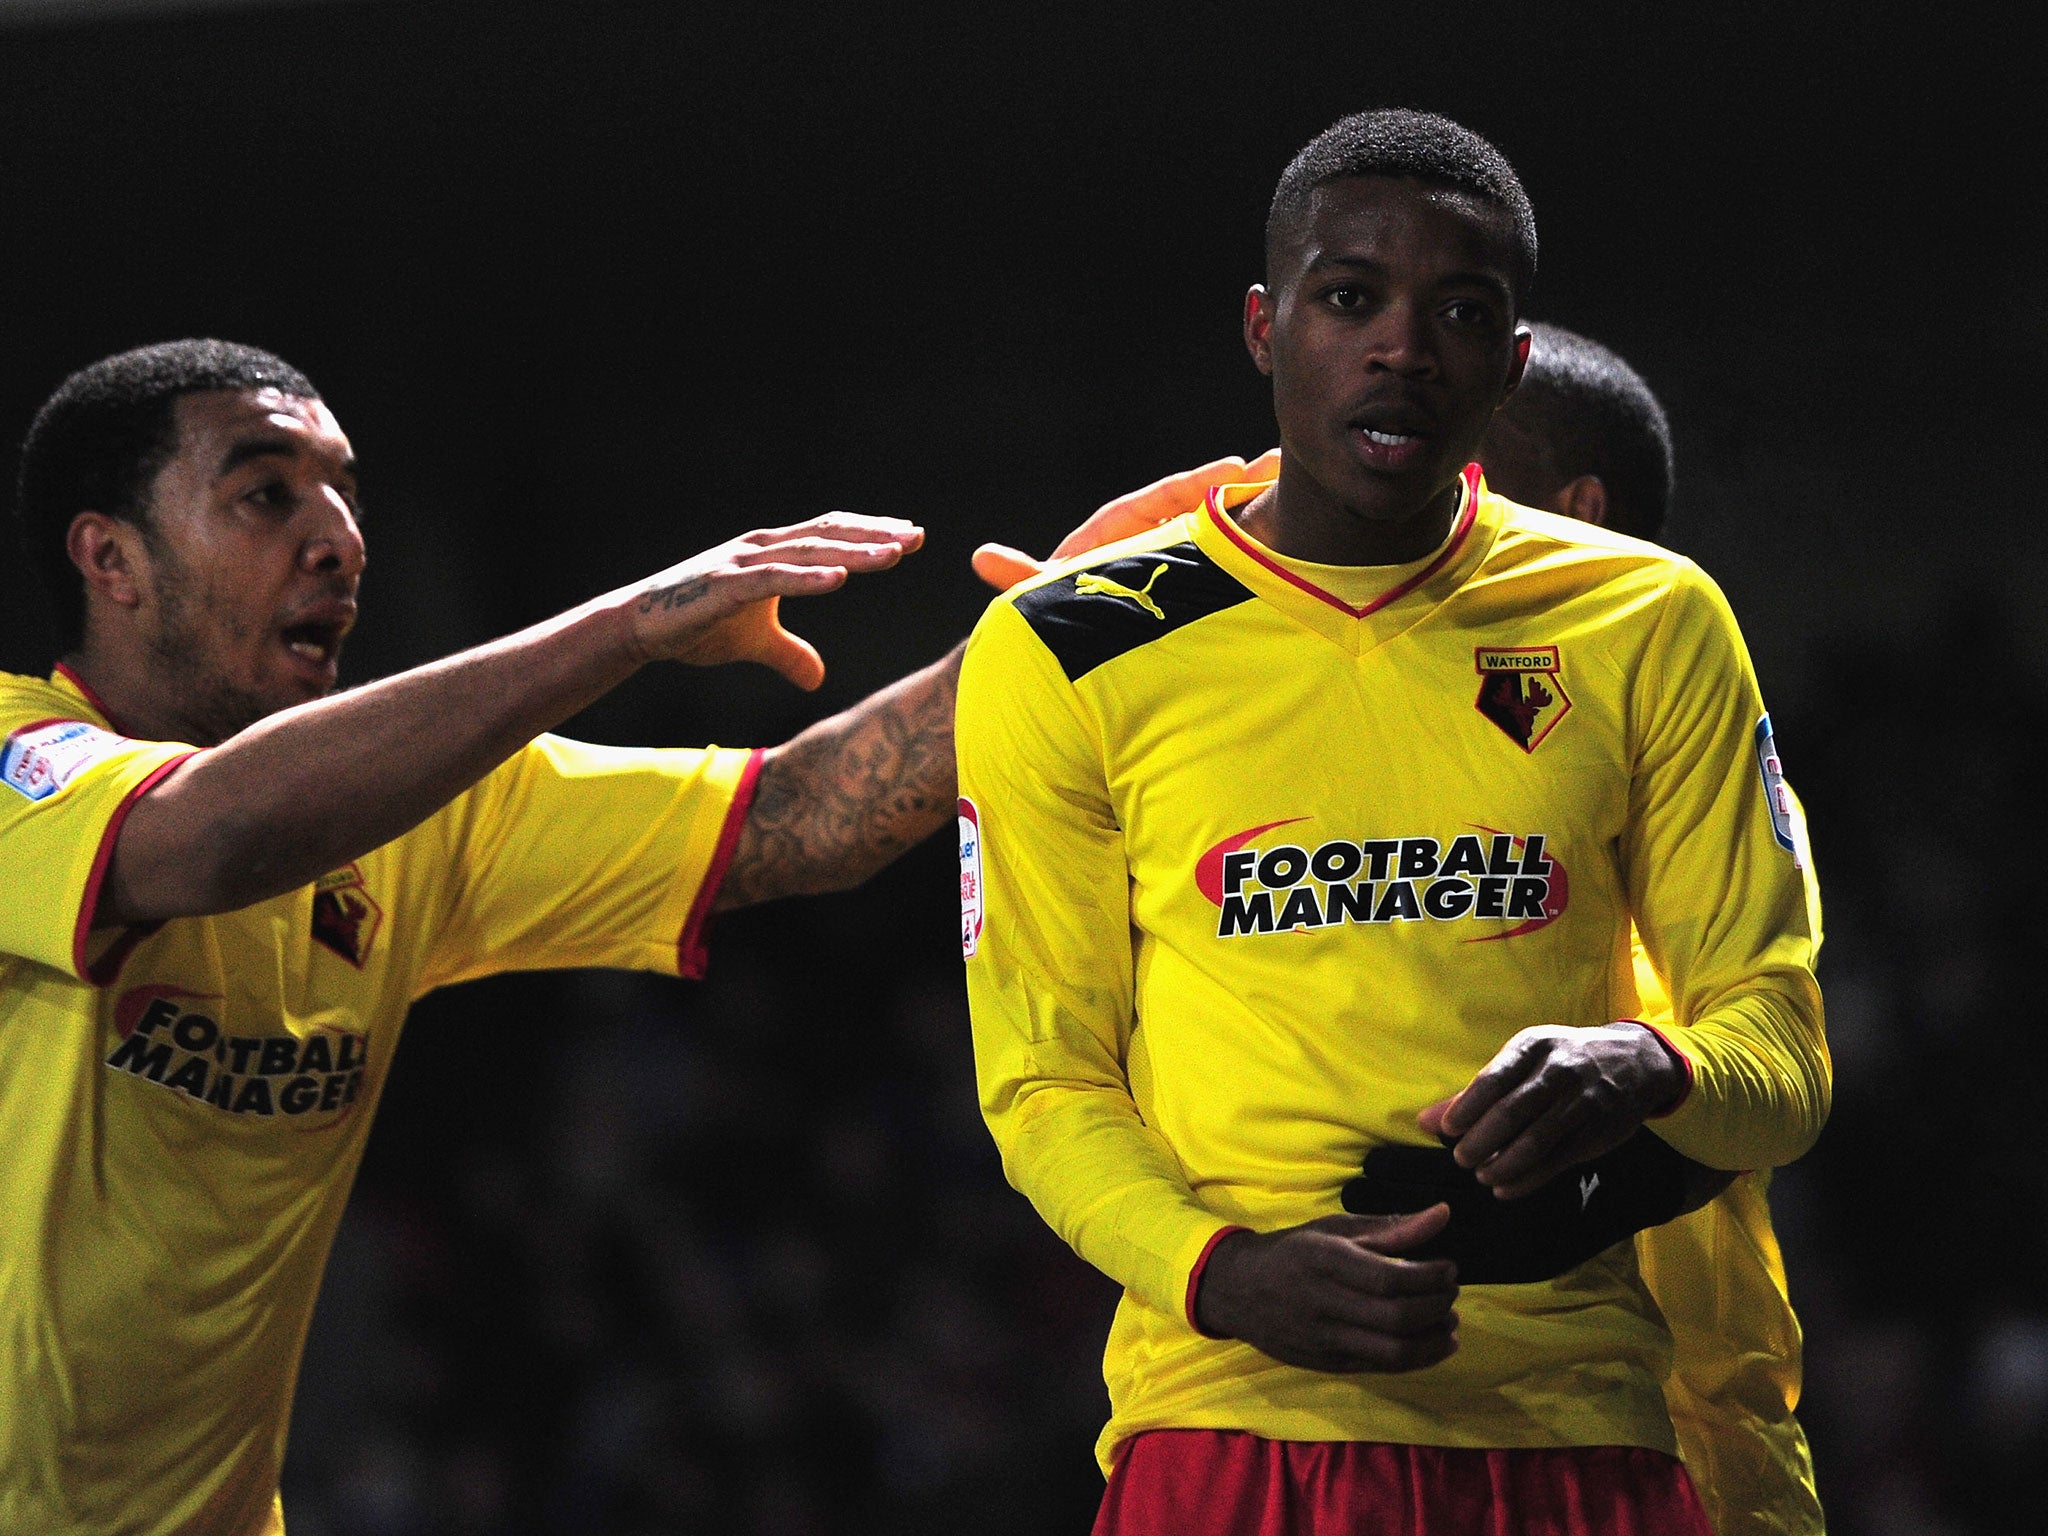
184 1107
1260 858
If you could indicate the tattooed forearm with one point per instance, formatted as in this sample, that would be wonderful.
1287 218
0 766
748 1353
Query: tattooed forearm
851 793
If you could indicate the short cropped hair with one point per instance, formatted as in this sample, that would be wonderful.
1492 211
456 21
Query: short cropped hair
1398 142
1595 416
100 441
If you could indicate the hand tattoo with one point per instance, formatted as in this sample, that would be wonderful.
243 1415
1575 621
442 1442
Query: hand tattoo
680 595
851 793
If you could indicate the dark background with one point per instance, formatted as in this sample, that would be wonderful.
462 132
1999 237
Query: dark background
594 285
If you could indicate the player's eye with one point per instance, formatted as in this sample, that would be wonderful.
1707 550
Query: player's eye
1467 312
1346 298
273 496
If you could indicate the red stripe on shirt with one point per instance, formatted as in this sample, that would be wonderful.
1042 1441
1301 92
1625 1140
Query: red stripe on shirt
104 857
692 955
1467 515
1684 1061
91 698
1195 1278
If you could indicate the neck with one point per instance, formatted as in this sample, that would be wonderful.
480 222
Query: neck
1301 519
124 696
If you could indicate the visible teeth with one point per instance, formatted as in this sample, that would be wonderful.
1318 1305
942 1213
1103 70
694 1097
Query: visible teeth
309 649
1389 439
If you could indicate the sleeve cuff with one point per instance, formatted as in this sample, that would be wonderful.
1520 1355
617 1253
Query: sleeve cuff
1679 1056
693 954
1195 1278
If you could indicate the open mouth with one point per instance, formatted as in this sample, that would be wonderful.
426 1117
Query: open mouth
1389 442
317 644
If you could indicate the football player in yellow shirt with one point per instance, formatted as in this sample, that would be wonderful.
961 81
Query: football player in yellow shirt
1259 880
1585 437
222 885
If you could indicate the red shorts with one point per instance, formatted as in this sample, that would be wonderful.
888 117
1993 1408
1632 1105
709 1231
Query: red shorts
1216 1482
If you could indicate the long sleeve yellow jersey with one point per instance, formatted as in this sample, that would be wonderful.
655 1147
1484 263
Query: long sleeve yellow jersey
1259 858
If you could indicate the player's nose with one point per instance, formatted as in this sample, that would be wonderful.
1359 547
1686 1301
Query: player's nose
336 545
1400 340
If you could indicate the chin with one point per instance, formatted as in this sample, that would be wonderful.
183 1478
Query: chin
1374 500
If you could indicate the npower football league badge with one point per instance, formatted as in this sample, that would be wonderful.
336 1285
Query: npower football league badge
970 878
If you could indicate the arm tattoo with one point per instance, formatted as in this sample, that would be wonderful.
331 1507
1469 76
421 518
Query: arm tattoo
851 793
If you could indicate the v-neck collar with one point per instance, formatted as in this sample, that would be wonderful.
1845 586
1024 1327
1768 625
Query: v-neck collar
1291 585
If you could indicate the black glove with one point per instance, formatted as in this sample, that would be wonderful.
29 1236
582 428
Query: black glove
1583 1211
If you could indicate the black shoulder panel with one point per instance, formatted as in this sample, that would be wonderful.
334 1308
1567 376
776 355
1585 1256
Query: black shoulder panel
1096 615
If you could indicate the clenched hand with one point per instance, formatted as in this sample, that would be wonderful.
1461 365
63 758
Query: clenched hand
1334 1294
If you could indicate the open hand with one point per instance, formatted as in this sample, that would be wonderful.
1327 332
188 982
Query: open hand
1132 513
725 604
1334 1295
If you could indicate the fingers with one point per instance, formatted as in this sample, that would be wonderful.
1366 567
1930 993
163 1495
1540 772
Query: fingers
755 633
1265 467
1392 1234
1148 507
1495 1080
736 589
1319 1296
722 605
1432 1118
857 555
845 527
1370 1312
794 657
1345 1349
1554 1097
1003 567
1554 1141
1366 1262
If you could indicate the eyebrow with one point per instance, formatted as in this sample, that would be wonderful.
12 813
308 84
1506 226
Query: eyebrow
1487 280
252 448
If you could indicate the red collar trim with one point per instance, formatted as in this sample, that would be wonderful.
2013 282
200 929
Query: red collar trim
91 698
1466 516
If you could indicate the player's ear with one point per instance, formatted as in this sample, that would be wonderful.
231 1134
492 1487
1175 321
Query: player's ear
1584 498
1524 339
108 554
1258 325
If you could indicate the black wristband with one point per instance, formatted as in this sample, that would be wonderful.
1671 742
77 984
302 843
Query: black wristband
1583 1211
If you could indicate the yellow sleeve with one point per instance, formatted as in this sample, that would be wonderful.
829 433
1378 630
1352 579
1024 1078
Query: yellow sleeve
1046 892
1654 1000
65 787
1713 856
577 855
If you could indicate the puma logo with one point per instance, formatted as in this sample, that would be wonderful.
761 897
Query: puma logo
1587 1185
1089 582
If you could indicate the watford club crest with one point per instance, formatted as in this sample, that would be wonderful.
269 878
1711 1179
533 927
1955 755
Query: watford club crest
1519 691
345 919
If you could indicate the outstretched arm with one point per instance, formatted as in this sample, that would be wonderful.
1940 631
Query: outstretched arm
850 794
310 788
